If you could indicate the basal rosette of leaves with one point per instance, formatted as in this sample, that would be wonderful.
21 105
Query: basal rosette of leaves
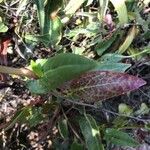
55 71
77 78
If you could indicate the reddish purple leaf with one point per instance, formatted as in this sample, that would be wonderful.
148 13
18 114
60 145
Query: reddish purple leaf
3 50
3 54
100 85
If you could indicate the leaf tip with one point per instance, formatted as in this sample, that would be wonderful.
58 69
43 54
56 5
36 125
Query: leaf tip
141 82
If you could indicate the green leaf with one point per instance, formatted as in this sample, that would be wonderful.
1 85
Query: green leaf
51 27
56 77
41 14
130 37
37 66
37 38
60 69
104 45
55 31
73 5
30 115
66 59
3 27
1 1
63 128
76 146
120 122
35 116
35 86
52 6
112 58
116 67
144 109
77 50
121 9
91 30
120 138
19 117
90 132
125 109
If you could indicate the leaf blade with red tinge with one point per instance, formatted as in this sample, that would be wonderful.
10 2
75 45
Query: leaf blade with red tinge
100 85
3 50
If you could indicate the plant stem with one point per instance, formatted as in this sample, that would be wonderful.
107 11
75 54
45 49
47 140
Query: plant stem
18 71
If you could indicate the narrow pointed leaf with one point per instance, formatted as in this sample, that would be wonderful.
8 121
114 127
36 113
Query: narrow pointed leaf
41 13
50 8
52 24
55 31
100 85
63 128
112 58
104 45
20 116
130 37
120 138
37 39
116 67
90 132
30 115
